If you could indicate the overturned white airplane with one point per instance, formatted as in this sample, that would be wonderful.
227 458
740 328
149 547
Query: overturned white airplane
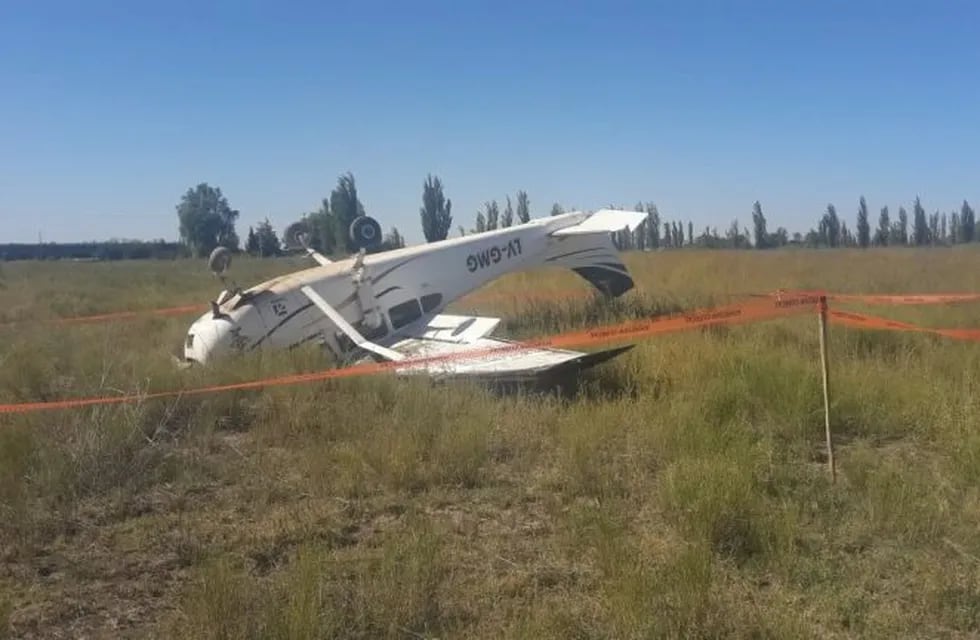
389 305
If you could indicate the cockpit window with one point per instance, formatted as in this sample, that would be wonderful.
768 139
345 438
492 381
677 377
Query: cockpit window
404 313
431 301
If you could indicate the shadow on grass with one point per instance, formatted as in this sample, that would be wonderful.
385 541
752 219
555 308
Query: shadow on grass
604 382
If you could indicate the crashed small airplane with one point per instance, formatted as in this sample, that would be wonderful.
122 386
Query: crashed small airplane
388 306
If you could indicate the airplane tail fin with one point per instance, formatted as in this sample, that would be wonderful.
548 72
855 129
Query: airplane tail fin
587 249
604 221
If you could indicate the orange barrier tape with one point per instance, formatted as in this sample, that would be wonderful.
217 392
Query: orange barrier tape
199 308
884 299
890 299
758 310
874 298
925 298
115 315
733 314
120 315
872 322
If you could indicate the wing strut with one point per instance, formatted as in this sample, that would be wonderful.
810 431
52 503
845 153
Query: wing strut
345 326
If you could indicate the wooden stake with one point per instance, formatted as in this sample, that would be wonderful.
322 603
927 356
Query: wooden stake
826 388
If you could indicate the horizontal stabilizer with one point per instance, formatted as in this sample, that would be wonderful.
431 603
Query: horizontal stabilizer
604 220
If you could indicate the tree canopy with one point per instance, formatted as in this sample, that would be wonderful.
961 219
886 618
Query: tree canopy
436 210
263 240
206 220
523 207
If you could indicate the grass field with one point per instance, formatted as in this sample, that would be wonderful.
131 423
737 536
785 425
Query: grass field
682 493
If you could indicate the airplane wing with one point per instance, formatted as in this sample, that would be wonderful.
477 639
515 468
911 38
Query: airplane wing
455 336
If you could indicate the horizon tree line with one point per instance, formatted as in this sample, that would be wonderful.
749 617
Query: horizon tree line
207 220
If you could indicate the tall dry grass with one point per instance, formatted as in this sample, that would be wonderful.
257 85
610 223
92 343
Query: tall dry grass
683 492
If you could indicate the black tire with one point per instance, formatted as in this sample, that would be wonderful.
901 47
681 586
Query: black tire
365 232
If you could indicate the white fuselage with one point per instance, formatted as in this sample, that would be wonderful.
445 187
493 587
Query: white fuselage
402 289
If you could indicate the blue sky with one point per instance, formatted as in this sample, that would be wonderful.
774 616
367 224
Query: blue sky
110 111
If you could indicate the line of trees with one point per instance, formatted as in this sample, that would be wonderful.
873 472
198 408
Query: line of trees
207 220
106 250
831 231
490 217
936 229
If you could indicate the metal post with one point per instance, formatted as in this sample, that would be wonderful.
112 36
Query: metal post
826 387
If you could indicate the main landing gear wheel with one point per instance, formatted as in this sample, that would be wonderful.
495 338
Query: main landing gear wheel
219 260
365 232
